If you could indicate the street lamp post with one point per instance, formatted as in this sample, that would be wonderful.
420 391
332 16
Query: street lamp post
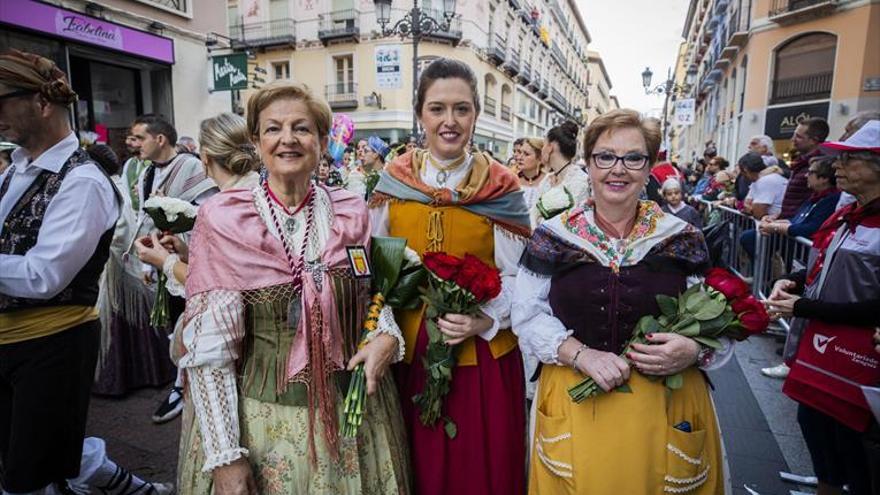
417 24
670 89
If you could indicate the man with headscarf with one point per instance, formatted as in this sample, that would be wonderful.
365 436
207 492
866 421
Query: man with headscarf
58 210
363 179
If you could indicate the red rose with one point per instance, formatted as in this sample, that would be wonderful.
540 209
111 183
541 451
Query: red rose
752 314
726 283
754 322
471 271
442 264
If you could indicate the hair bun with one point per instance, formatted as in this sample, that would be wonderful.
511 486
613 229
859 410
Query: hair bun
570 128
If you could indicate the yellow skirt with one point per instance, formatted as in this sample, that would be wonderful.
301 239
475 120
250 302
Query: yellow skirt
625 443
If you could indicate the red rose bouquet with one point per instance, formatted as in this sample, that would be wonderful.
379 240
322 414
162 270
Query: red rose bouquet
455 285
721 306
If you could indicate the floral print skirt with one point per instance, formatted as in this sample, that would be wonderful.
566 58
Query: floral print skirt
376 461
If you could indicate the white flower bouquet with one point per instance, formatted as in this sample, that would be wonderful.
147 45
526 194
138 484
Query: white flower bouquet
554 202
171 216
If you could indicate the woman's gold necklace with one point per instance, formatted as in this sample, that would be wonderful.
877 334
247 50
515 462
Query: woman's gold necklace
443 170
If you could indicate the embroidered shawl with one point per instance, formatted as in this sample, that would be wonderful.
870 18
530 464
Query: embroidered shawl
574 237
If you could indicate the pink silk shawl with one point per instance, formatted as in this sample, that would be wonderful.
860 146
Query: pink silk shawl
232 249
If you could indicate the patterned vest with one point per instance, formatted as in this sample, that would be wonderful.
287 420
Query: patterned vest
22 227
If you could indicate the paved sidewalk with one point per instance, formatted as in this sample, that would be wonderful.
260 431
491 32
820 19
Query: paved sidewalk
758 423
133 441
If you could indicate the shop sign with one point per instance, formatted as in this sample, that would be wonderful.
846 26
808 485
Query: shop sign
684 112
82 28
782 121
229 72
388 74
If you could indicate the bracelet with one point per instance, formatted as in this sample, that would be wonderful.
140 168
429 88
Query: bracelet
577 353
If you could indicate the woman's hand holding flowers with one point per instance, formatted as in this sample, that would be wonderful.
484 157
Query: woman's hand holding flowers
667 354
151 251
376 356
457 328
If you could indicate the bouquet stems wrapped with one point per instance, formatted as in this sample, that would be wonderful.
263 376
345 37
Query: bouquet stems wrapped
397 276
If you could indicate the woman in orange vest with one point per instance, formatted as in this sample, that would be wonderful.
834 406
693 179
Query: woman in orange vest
446 198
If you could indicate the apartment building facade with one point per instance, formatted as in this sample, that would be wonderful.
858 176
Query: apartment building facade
530 60
763 65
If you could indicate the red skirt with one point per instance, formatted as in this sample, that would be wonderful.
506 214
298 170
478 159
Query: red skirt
488 405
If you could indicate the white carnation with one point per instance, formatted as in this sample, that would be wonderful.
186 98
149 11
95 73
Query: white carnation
556 199
172 207
411 258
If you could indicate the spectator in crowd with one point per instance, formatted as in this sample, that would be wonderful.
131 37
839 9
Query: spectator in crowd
660 173
57 212
840 289
712 165
348 157
412 143
720 181
816 209
806 139
767 189
374 154
674 203
187 144
360 150
852 126
517 153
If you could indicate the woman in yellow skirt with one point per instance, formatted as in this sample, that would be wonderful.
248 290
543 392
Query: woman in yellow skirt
586 278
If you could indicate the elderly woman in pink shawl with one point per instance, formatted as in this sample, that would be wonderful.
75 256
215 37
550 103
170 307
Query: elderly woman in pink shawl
274 310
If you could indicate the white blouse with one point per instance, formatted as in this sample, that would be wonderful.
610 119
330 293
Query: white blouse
574 179
508 248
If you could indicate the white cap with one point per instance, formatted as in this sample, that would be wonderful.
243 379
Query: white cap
865 139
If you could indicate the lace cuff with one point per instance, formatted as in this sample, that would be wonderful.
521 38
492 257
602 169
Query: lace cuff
215 399
172 285
388 325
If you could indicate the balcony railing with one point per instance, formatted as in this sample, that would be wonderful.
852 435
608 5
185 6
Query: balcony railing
791 11
505 112
511 66
342 95
557 54
811 87
339 25
257 34
489 103
557 100
497 49
535 85
453 34
738 29
525 74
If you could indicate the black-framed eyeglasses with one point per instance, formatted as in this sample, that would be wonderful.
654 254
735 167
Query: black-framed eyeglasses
15 94
632 161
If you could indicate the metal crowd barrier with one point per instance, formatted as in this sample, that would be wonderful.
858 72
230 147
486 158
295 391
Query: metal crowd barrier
775 254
